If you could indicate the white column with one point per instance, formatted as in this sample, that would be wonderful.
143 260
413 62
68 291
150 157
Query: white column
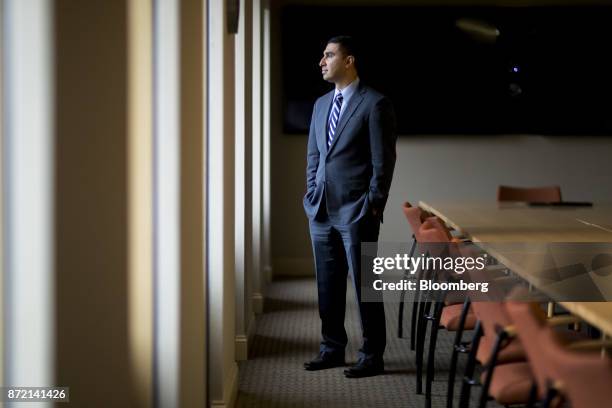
167 202
256 165
28 194
223 371
2 222
266 145
240 184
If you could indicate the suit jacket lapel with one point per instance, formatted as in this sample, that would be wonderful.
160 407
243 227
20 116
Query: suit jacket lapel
348 112
322 118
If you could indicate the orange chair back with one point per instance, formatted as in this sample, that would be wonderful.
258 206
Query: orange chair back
551 194
491 316
413 215
530 322
433 230
584 378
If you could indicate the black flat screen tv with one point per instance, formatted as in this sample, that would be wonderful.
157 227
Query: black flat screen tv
461 70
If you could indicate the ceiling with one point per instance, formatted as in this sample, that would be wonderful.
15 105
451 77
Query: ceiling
503 3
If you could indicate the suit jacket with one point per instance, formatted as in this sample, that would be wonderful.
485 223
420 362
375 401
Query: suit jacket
354 174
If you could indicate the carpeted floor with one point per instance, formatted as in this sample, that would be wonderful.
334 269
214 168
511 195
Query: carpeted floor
287 334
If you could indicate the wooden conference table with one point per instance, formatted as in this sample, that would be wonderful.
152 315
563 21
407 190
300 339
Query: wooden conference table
499 226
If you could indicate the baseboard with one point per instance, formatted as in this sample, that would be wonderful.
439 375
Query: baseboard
267 270
258 301
251 328
242 347
230 390
243 341
294 267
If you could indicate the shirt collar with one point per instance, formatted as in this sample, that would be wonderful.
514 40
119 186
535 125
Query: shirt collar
348 90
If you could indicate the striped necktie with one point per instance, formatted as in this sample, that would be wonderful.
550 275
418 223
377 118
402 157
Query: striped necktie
333 118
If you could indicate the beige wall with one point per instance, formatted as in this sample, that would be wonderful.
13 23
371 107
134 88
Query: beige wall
193 359
140 198
467 167
91 205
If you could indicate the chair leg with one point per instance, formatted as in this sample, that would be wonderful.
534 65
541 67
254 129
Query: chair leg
484 395
533 395
413 324
400 314
415 313
424 308
550 397
455 354
468 378
435 326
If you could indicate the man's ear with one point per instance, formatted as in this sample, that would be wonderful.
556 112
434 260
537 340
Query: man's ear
350 60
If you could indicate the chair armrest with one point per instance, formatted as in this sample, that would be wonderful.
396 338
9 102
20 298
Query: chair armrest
509 330
561 320
587 345
497 268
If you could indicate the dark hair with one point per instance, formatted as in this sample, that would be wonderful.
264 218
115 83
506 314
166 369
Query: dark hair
347 44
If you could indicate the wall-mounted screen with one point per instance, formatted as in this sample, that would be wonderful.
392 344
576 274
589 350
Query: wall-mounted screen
460 70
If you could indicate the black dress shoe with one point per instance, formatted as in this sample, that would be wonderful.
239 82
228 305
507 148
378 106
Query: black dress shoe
365 367
324 361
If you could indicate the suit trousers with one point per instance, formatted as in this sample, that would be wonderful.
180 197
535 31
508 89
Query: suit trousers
337 250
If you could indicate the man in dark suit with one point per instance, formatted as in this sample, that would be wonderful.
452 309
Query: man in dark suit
351 157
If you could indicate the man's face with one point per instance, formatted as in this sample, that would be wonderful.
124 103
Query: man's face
333 66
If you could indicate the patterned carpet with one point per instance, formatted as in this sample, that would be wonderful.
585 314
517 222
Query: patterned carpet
287 335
